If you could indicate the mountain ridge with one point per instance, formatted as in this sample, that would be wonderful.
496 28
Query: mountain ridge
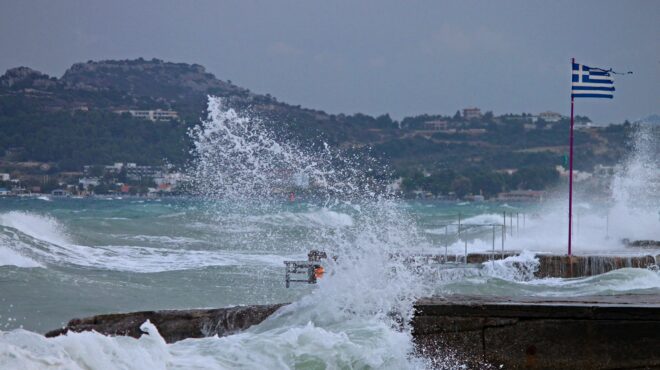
73 121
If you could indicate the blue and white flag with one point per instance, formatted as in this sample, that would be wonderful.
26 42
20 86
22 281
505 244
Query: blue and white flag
589 82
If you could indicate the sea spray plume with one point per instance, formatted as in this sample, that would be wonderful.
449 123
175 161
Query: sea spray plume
243 167
629 211
636 183
239 161
238 156
635 212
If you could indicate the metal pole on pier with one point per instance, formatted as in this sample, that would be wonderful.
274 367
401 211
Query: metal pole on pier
511 224
459 225
570 176
446 241
465 250
493 254
503 241
503 226
517 223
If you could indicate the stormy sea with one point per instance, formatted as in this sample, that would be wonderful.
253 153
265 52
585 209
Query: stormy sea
225 244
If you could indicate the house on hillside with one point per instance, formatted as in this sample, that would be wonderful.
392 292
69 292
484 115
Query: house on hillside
152 114
436 125
86 182
138 173
550 116
471 113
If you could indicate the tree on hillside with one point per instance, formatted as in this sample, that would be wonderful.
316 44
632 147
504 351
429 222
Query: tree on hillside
462 186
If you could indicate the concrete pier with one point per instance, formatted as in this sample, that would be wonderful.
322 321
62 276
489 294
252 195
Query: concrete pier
603 332
563 266
600 332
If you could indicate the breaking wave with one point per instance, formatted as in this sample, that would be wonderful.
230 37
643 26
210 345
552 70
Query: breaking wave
34 240
370 345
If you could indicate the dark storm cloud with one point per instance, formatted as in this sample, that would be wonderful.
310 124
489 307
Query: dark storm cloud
404 57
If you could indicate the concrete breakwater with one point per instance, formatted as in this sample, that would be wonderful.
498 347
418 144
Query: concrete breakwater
603 332
563 266
174 325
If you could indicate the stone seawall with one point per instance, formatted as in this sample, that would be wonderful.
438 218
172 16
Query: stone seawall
605 332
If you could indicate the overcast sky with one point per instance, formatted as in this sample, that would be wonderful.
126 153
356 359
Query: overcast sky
402 58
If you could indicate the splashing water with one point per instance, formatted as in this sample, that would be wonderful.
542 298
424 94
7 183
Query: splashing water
238 157
357 316
631 210
239 160
636 188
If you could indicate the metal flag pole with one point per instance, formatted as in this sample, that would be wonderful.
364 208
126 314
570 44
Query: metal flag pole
570 176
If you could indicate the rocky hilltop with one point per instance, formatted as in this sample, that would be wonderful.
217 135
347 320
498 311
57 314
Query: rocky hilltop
115 85
120 84
73 121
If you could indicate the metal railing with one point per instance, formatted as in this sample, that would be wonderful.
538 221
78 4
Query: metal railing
304 271
462 229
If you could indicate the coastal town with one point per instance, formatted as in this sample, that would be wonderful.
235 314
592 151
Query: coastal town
330 185
23 178
122 127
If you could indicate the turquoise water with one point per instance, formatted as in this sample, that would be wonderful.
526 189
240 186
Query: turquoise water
65 258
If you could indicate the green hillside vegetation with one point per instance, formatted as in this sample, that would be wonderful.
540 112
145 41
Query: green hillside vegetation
72 121
73 140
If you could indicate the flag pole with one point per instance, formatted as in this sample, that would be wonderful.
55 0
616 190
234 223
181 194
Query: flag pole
570 177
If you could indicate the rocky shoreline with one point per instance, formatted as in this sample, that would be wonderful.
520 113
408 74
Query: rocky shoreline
174 325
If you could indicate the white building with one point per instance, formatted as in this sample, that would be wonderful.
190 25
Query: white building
550 116
152 115
5 177
138 173
168 179
578 176
86 182
471 113
436 125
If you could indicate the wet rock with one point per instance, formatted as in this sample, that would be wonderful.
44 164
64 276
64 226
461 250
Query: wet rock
174 325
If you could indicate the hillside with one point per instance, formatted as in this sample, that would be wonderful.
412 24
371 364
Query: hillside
142 84
75 120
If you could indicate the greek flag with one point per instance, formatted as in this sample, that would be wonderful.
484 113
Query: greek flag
589 82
